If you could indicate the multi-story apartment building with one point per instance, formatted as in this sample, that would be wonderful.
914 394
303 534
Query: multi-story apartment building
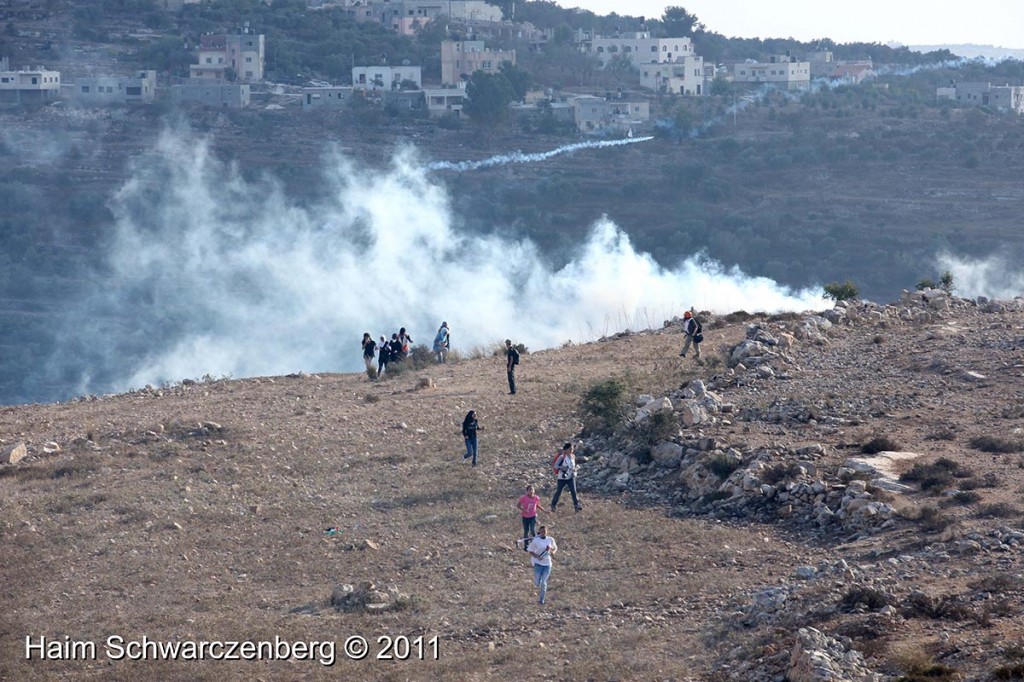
639 48
239 56
29 86
782 71
385 77
461 58
683 77
100 90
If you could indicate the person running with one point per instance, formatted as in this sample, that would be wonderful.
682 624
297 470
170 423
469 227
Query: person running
511 360
693 329
528 505
566 467
442 343
383 355
369 347
395 349
469 428
541 547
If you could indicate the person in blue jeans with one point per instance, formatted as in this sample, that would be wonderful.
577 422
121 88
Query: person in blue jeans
541 547
469 429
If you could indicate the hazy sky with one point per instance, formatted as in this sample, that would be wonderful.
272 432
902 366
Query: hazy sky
910 22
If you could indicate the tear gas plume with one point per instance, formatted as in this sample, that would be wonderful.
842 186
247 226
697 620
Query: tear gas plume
993 277
213 275
519 157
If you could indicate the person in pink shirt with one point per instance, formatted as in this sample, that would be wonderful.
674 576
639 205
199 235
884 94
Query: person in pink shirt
528 505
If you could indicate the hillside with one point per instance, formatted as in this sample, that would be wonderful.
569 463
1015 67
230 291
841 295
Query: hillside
198 511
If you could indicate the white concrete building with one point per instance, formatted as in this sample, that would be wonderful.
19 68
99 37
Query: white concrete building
219 95
330 97
639 48
29 86
684 77
114 90
460 59
599 115
444 101
242 54
385 77
782 71
1004 97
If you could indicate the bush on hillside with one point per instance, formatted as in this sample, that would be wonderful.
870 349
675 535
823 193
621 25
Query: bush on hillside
603 406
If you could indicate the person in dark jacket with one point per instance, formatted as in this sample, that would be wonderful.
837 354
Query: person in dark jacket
369 347
405 342
469 428
383 355
395 349
511 360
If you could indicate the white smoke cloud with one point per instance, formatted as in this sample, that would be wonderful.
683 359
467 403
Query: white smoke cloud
211 274
992 277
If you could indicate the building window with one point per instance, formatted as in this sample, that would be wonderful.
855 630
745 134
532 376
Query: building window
209 60
654 48
485 65
248 60
85 88
627 49
600 49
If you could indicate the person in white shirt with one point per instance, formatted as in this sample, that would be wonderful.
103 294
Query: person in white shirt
566 467
541 547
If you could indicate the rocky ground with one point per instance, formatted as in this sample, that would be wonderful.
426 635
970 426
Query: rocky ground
821 497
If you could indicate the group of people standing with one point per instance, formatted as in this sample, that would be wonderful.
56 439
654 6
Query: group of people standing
387 351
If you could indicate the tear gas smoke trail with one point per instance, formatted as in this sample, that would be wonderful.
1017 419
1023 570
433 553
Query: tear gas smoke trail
519 157
212 274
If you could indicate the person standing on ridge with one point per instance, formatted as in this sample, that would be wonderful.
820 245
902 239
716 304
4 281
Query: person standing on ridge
511 360
442 342
541 547
383 355
693 330
469 428
369 346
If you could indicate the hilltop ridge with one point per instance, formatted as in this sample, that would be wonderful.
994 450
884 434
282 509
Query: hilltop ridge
198 511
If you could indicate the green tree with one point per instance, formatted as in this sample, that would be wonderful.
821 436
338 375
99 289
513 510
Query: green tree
489 95
841 291
519 79
946 281
679 23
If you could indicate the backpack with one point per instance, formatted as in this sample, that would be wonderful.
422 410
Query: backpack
557 461
515 356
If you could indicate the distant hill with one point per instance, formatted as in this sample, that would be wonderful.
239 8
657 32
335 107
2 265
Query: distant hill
970 51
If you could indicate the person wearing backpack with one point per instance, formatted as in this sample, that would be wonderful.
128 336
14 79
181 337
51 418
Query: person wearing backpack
511 360
405 342
442 343
565 468
693 330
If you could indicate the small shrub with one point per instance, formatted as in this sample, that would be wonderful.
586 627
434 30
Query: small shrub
868 597
996 583
945 433
737 316
396 369
932 520
879 444
930 672
995 444
722 466
1014 671
998 510
604 406
963 497
657 427
421 357
716 496
371 398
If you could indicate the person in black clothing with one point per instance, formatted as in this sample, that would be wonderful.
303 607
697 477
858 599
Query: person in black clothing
395 349
383 355
369 346
404 342
469 429
511 360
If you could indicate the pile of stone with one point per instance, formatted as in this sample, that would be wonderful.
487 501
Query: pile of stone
367 597
817 657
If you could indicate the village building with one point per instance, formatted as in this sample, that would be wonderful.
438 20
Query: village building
230 57
460 59
115 90
29 85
